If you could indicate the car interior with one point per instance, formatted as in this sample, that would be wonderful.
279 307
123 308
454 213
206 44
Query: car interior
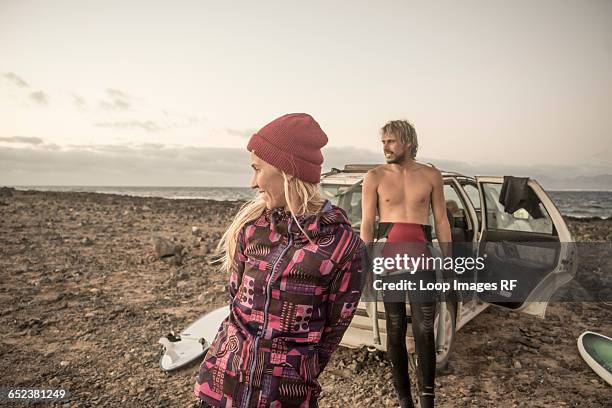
462 228
517 246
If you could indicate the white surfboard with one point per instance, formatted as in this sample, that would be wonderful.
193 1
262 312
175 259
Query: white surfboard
193 342
596 350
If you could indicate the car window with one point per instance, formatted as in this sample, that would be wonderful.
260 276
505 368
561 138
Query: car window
346 197
456 207
352 205
519 220
332 192
472 192
453 202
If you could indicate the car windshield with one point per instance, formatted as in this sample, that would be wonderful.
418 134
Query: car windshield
332 192
346 197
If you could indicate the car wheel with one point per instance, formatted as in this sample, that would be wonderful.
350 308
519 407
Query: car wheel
445 325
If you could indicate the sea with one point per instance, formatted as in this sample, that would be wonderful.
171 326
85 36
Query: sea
572 203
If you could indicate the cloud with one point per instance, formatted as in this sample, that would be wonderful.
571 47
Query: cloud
116 100
167 122
15 79
40 98
151 164
78 101
148 125
145 164
22 139
117 94
243 133
339 156
552 177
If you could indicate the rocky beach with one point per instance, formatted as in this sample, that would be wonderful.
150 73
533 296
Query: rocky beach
90 282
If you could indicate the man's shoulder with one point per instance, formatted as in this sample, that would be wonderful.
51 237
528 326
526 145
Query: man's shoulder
378 171
432 172
428 169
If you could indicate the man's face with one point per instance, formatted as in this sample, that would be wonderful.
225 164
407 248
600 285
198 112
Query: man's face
393 148
269 181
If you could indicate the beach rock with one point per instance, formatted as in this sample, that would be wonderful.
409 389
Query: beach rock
6 191
195 231
196 242
164 247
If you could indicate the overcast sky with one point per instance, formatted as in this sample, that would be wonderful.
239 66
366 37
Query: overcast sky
167 93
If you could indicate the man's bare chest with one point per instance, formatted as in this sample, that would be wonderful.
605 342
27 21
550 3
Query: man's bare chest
404 192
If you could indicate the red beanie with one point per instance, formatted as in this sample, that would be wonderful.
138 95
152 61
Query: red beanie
292 143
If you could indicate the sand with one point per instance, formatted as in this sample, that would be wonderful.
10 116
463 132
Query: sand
84 299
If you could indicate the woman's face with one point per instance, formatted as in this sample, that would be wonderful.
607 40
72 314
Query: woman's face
269 182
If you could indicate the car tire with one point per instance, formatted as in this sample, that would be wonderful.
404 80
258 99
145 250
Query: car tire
448 311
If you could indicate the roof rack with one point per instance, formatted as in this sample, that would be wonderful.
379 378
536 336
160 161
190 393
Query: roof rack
453 172
358 168
332 171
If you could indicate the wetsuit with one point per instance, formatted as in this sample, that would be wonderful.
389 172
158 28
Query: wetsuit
414 240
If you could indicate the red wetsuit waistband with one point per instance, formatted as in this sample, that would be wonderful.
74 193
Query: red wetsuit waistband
406 232
405 238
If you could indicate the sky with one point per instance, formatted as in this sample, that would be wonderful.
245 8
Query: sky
167 93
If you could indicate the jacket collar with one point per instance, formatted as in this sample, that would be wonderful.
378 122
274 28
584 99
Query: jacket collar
322 222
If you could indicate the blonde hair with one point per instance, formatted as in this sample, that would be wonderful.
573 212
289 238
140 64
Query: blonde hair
308 198
405 131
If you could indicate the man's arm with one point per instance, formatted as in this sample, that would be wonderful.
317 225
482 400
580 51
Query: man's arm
438 206
369 199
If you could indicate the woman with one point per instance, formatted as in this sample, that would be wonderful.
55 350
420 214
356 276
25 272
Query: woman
296 271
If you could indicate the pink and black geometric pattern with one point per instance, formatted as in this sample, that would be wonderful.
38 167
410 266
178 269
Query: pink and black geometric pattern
291 301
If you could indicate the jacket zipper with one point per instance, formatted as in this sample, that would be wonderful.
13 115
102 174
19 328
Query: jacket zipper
266 306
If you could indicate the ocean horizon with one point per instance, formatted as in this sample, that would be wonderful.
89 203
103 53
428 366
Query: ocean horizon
571 202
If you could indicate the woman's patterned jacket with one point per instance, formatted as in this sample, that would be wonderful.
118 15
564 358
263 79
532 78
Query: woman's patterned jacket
290 303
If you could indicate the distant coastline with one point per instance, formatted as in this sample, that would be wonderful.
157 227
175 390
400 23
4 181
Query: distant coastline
170 192
580 205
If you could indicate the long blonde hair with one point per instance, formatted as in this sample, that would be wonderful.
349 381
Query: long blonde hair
309 200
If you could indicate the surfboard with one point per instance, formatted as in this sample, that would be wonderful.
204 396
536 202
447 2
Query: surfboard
596 350
191 343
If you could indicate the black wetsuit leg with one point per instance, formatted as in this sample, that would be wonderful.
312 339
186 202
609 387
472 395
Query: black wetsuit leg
423 315
423 309
397 324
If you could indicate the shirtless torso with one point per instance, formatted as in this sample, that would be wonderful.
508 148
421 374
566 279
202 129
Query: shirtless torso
404 193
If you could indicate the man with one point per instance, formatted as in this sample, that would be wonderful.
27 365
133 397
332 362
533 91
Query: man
403 191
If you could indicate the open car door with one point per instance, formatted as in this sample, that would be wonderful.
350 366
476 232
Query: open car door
523 238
